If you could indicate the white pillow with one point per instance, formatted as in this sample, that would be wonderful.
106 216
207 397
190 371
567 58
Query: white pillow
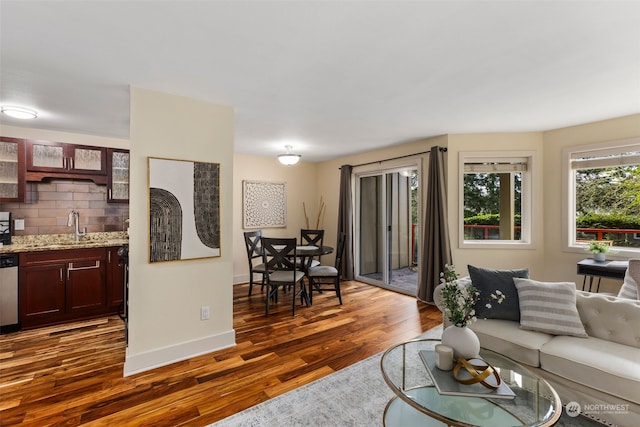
549 307
630 288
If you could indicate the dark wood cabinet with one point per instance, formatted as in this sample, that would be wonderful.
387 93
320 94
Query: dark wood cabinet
12 170
45 159
86 285
115 279
25 160
42 293
64 285
117 175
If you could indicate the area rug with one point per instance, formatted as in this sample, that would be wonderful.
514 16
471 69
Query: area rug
352 397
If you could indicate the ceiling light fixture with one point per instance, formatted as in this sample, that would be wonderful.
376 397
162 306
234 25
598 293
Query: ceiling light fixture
19 112
289 158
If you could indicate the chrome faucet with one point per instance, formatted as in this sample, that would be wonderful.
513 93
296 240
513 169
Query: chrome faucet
74 219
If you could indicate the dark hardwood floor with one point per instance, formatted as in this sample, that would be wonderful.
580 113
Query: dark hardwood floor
71 374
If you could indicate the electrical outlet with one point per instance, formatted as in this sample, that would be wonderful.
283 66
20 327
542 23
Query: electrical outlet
204 312
19 224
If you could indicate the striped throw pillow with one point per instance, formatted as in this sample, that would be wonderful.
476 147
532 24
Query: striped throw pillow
549 307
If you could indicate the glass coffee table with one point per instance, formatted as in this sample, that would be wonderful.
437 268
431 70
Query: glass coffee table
417 401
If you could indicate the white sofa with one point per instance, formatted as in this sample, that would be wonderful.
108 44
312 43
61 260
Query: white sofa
600 372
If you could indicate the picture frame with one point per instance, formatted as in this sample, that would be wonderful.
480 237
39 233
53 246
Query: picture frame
184 209
264 204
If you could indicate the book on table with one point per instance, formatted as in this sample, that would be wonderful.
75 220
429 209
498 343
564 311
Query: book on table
446 384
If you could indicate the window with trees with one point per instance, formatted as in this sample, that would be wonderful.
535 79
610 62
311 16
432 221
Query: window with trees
495 199
603 195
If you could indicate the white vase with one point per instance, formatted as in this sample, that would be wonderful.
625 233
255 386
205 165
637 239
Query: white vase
600 256
462 340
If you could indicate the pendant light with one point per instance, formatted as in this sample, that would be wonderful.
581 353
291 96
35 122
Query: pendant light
289 158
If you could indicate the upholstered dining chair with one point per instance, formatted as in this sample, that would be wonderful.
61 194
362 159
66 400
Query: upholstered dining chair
310 238
253 244
326 277
279 258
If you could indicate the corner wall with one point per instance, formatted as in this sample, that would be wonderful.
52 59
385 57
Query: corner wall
558 264
165 298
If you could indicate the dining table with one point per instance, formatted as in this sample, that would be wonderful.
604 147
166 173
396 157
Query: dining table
310 251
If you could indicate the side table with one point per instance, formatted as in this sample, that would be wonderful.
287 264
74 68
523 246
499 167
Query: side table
591 269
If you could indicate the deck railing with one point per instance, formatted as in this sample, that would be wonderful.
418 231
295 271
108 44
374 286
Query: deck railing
584 234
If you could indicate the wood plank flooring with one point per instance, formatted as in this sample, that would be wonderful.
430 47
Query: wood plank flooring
71 375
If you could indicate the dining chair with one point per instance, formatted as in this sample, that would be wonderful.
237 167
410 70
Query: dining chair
326 277
279 258
310 237
253 244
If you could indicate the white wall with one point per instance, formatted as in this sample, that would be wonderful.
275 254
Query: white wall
558 264
165 298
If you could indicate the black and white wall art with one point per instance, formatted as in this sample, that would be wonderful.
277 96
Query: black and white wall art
184 210
264 204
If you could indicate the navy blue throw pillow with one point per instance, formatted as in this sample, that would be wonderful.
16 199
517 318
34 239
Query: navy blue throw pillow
487 281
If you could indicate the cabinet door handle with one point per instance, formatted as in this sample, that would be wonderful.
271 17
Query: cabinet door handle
109 194
91 267
61 279
64 163
72 268
109 257
71 162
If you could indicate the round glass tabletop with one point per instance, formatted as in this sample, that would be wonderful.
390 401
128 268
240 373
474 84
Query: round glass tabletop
535 403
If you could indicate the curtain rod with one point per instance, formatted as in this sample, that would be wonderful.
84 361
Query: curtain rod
443 149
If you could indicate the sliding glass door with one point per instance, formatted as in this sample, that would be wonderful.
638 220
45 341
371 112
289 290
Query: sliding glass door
386 229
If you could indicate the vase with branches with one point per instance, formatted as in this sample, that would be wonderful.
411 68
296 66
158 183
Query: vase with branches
319 218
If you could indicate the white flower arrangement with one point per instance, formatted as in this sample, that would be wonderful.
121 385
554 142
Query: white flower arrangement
459 301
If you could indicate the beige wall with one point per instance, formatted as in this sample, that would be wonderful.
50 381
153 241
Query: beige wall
329 173
165 298
559 264
531 258
301 187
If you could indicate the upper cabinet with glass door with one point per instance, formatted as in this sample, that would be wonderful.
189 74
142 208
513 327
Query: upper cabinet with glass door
12 182
45 158
118 174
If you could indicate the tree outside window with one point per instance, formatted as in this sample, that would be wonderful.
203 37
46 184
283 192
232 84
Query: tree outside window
607 205
496 199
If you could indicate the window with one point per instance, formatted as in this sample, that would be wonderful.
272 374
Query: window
603 195
495 199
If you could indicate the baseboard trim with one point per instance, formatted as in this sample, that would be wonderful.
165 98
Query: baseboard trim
243 278
148 360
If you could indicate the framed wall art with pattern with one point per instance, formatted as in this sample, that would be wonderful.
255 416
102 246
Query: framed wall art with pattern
264 204
184 210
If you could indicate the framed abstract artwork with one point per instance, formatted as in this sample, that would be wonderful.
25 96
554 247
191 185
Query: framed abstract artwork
184 210
264 204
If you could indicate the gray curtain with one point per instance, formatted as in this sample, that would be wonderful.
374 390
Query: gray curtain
436 248
345 221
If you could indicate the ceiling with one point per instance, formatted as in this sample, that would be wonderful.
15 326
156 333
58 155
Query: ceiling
331 78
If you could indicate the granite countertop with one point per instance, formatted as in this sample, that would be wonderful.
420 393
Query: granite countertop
50 242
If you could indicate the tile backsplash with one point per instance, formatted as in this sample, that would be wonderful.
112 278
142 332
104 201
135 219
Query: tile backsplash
49 203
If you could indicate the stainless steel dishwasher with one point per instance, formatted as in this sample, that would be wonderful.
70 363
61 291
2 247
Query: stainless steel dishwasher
9 319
